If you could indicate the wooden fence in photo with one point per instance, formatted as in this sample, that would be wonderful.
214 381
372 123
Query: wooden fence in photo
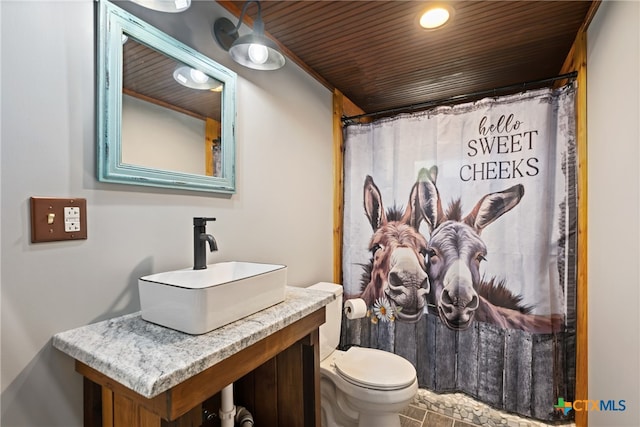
508 369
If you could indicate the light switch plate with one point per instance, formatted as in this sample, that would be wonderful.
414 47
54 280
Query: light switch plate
58 219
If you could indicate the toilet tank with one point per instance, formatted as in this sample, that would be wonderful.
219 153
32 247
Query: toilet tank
330 329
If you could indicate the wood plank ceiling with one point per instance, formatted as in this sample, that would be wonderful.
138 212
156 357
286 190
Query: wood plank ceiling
148 75
376 54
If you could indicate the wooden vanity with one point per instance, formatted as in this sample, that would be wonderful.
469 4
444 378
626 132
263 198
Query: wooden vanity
137 374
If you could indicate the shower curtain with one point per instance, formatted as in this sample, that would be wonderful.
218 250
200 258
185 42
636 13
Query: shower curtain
460 228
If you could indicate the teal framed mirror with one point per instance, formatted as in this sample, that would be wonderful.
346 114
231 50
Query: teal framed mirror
166 113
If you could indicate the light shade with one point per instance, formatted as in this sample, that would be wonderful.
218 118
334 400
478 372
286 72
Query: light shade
253 50
195 79
257 52
171 6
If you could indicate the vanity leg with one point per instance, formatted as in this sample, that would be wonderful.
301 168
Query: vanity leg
311 375
289 382
148 419
127 413
193 418
298 383
116 410
107 407
92 396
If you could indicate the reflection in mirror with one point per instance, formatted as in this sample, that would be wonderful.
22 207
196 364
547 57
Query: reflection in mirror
165 112
171 116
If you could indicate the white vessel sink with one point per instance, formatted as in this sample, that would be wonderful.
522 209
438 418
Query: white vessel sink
199 301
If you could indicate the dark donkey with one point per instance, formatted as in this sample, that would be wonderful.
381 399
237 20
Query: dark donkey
454 254
397 269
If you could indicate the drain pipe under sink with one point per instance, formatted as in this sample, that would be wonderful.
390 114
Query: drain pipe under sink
230 414
227 408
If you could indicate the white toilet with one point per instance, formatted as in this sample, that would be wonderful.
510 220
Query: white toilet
361 386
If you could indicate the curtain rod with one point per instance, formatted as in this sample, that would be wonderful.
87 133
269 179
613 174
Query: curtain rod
459 98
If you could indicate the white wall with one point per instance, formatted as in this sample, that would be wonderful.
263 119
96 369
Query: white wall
161 138
282 212
613 67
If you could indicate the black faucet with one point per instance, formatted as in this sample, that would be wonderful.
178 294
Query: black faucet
200 237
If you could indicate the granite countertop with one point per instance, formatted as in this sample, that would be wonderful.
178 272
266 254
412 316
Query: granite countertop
151 359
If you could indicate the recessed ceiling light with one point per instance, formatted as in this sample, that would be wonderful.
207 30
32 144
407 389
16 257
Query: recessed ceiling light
436 16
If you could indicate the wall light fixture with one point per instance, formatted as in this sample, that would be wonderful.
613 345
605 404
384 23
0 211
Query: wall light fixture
252 50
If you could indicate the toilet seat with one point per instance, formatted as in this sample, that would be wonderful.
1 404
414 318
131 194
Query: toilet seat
375 369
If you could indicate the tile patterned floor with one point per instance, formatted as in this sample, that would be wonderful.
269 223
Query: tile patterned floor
414 416
424 411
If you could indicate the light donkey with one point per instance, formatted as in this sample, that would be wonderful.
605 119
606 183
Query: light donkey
455 251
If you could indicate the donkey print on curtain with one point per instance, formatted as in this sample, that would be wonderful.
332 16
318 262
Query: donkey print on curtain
460 235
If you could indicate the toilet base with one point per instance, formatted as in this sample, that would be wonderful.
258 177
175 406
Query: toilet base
341 414
372 420
341 410
379 420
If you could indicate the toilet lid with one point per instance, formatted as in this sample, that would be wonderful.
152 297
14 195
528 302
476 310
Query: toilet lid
375 369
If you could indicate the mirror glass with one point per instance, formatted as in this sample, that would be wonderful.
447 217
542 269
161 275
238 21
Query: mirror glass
166 112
